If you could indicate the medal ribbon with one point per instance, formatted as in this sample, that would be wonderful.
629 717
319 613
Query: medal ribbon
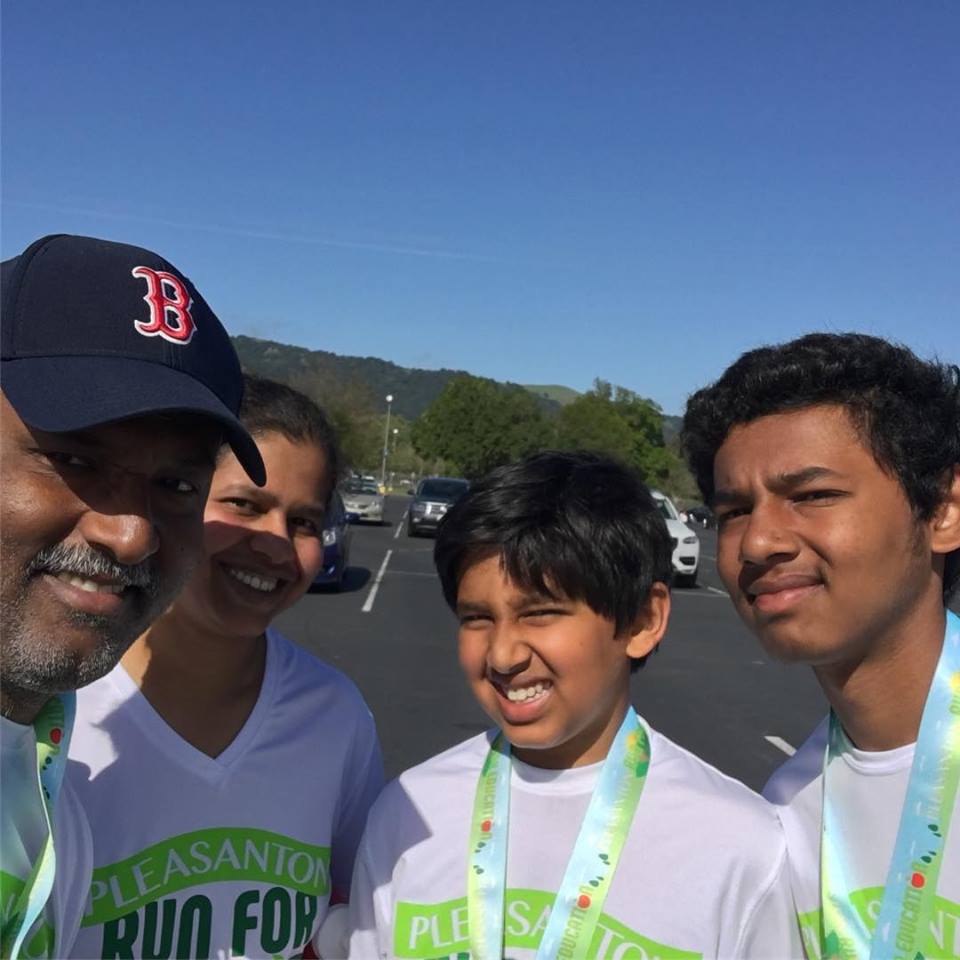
52 728
903 924
586 881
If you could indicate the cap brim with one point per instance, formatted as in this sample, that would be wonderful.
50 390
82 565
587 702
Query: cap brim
58 394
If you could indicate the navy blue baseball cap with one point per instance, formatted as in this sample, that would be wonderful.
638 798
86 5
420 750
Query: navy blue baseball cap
95 331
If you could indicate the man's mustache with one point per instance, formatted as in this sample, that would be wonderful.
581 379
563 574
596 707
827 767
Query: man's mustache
91 564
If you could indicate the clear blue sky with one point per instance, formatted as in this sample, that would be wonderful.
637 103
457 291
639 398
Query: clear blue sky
540 192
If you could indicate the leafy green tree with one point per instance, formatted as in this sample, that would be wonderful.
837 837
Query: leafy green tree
616 421
478 424
351 408
591 422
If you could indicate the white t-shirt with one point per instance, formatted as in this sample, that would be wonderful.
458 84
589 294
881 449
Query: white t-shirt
22 836
868 788
196 856
703 872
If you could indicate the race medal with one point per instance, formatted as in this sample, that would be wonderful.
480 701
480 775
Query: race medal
903 924
52 728
586 881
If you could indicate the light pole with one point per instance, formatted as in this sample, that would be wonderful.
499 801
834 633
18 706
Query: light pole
386 441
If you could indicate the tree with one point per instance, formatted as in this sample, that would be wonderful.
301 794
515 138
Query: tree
616 421
351 408
478 424
591 422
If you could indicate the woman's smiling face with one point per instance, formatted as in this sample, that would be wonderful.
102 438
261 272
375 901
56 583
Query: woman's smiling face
264 545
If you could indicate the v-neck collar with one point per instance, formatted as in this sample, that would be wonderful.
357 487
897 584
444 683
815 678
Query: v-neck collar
186 754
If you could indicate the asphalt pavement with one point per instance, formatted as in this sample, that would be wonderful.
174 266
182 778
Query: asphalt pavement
709 687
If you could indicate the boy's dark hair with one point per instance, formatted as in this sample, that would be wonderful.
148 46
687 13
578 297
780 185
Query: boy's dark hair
906 410
271 407
577 524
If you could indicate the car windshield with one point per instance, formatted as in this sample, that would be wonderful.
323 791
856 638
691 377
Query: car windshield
666 508
360 486
442 489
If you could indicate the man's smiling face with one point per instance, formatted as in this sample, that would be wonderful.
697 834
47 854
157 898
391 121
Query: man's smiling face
817 545
99 529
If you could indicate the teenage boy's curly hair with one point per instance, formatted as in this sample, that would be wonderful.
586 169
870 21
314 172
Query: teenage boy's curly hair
576 525
906 410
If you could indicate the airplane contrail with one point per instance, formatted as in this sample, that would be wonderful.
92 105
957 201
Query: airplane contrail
256 233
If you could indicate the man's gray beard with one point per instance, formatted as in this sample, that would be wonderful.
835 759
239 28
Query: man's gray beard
35 665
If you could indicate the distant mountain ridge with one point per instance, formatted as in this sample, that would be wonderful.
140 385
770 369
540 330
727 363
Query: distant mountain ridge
412 389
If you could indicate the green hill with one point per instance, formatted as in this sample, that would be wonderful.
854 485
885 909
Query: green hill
558 394
413 390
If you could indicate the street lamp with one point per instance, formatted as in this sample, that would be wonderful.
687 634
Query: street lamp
386 440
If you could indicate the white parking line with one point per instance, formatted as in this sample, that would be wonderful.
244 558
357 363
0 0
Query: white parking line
396 536
372 595
719 593
781 744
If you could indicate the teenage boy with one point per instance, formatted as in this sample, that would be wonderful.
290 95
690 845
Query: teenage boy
575 830
833 465
119 384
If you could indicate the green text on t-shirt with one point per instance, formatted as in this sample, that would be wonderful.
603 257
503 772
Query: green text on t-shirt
431 931
135 902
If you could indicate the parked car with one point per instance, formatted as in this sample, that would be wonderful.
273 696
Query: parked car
702 515
431 500
336 546
686 544
362 500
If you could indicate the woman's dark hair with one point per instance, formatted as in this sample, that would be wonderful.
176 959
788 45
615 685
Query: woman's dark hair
906 410
577 524
271 407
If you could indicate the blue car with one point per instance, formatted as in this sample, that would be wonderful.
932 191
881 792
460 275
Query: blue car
336 546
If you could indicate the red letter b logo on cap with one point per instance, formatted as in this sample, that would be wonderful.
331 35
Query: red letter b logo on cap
169 305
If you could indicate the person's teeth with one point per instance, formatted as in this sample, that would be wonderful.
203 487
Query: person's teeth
263 584
522 694
90 586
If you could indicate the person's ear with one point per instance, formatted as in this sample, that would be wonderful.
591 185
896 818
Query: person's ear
651 623
945 523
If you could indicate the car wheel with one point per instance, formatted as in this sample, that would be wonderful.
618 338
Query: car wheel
686 579
411 531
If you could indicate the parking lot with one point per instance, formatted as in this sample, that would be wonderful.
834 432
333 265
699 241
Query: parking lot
709 687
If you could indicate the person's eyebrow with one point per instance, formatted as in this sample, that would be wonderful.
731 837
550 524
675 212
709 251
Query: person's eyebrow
780 483
797 478
533 599
467 606
202 458
82 438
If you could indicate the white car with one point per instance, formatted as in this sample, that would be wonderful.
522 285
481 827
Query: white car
686 544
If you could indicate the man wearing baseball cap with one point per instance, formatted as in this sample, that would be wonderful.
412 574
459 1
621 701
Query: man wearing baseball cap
119 384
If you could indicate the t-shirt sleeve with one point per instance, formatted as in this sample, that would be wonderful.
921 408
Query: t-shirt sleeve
361 785
771 930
